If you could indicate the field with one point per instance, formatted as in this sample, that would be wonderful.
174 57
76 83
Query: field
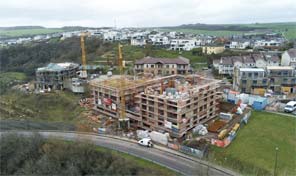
218 33
27 32
53 107
253 150
133 53
51 111
288 29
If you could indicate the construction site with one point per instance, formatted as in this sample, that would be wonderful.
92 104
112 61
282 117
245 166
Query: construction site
174 104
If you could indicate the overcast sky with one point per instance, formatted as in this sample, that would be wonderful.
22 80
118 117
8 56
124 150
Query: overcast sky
143 13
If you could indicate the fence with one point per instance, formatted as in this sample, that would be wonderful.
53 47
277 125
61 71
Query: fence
191 151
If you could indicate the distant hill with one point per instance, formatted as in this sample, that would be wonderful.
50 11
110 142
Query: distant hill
27 31
216 27
21 27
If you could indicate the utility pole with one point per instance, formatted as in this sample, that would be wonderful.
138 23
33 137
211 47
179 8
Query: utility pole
275 163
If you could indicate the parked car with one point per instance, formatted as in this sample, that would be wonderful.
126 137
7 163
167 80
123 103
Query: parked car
145 142
290 106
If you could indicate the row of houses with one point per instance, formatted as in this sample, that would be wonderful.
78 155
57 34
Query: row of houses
226 65
267 40
245 43
172 40
260 73
277 79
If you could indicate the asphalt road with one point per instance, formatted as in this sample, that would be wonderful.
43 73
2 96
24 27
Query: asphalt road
181 164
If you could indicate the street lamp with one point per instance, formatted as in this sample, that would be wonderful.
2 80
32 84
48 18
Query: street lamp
275 164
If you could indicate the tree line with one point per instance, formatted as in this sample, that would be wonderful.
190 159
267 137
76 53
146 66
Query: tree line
27 57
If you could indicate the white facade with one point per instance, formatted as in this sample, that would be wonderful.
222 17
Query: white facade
226 69
183 44
239 44
261 63
289 59
265 43
159 40
139 41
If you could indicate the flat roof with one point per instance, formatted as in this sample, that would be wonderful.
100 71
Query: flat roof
252 69
279 68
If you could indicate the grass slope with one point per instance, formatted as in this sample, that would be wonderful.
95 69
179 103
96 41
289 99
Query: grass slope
140 162
27 32
255 146
8 79
218 33
54 107
288 29
133 53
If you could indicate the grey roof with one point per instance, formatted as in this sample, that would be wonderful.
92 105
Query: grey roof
258 56
151 60
248 59
226 61
237 58
292 52
273 58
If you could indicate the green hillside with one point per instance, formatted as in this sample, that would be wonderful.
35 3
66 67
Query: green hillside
288 29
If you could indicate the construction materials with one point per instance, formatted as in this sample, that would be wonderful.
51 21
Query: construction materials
142 134
222 134
200 129
159 137
225 116
260 103
235 127
232 96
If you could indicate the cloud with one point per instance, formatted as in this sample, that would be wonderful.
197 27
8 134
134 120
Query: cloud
141 13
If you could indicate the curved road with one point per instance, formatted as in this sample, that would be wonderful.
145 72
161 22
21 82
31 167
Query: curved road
171 159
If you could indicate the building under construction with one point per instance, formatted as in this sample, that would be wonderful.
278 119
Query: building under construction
173 104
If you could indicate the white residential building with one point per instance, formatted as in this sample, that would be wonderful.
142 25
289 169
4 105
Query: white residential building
267 43
183 44
138 41
289 58
238 44
260 60
159 40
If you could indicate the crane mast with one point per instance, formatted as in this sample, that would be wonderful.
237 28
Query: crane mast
122 118
83 74
122 82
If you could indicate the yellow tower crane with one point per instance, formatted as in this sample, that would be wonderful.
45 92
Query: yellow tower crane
83 73
123 121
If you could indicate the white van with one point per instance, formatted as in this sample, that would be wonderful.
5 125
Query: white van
145 142
290 106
